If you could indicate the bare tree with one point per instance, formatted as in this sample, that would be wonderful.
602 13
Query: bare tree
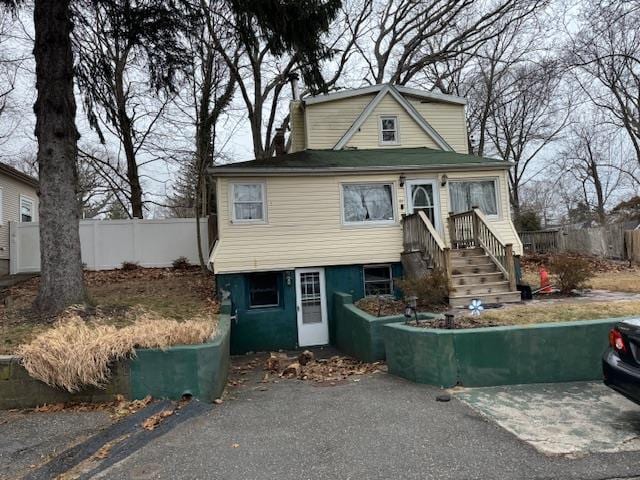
128 54
606 64
269 59
590 158
407 36
529 113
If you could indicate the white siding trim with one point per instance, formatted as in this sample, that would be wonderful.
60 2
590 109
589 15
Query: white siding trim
1 206
413 113
442 97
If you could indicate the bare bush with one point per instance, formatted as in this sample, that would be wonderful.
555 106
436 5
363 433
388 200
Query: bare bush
571 272
432 290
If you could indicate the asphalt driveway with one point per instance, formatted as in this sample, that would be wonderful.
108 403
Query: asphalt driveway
368 427
377 427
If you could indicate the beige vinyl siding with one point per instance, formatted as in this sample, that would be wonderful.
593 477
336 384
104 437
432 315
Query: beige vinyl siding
11 191
409 132
297 136
304 224
327 122
448 119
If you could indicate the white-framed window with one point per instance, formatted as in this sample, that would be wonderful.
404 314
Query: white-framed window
367 203
389 130
465 194
248 202
378 280
26 209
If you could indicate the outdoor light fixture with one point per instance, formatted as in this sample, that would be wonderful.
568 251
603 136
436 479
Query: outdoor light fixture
443 180
410 309
402 179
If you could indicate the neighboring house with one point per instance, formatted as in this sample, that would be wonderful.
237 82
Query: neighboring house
367 186
18 203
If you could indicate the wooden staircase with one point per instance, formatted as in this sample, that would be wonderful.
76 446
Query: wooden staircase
474 275
479 266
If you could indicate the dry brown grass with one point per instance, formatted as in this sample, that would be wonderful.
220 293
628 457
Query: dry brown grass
76 353
166 293
560 312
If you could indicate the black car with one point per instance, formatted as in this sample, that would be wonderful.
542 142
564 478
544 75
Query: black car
621 361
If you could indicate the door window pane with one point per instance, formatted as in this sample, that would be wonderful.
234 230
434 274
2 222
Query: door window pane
378 280
367 203
263 289
311 298
482 194
422 199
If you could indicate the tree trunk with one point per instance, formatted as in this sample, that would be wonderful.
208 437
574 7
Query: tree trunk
61 281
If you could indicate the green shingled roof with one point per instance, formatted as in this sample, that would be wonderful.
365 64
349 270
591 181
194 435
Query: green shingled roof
388 158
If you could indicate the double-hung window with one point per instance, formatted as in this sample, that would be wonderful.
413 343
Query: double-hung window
365 203
389 130
474 193
378 280
248 202
26 209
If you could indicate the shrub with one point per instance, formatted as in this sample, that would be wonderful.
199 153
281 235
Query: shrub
432 289
127 265
571 272
181 263
527 221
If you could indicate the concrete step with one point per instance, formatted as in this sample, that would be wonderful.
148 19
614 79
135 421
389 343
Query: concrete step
463 301
470 269
485 288
477 260
477 278
466 252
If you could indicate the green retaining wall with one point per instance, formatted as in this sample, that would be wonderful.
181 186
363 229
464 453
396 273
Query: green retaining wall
198 370
359 334
477 357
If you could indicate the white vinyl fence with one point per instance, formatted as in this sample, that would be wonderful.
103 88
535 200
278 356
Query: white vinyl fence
105 244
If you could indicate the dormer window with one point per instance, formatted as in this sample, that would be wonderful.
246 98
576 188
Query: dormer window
389 130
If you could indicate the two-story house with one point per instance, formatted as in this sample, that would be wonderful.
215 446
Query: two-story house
370 175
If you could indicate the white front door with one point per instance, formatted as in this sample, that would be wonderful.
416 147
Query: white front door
311 300
423 195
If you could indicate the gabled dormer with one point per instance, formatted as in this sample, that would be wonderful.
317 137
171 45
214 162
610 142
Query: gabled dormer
380 116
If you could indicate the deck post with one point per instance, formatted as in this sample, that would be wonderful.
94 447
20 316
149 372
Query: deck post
510 264
452 228
476 227
447 266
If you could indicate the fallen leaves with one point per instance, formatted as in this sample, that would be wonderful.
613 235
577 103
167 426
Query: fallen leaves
532 262
331 370
154 420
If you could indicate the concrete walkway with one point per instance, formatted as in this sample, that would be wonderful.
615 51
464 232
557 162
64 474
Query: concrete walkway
570 418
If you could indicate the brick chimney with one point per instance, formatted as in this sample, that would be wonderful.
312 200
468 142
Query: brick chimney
278 141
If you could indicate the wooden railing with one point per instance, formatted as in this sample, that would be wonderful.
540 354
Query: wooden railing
420 235
471 229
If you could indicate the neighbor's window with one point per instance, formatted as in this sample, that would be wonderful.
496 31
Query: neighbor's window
367 202
388 130
248 202
26 209
481 193
378 280
263 290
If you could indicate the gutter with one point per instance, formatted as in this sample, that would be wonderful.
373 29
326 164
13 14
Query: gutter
275 171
